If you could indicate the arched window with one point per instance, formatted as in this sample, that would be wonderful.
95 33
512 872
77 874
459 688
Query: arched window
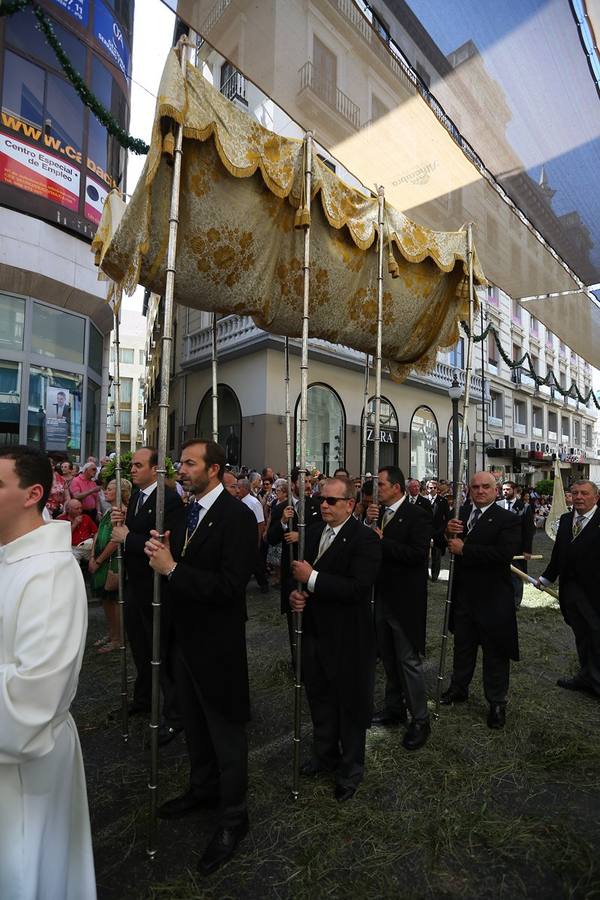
424 437
325 439
388 443
229 422
465 476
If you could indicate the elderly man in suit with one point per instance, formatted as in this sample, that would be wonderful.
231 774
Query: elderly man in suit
574 561
283 529
484 540
140 519
341 563
514 504
401 604
207 560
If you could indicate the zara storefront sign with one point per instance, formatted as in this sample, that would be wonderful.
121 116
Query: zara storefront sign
385 437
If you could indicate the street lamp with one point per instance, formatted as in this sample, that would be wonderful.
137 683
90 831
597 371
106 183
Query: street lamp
455 392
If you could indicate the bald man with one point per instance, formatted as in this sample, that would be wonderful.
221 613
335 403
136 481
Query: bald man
484 540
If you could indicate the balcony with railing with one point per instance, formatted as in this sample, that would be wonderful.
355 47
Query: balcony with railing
314 82
235 88
238 334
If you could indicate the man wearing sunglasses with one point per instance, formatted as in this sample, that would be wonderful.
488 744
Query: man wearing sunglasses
341 563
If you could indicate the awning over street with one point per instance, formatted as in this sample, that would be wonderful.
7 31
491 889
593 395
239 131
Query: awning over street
500 125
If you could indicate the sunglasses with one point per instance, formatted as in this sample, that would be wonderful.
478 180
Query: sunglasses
331 501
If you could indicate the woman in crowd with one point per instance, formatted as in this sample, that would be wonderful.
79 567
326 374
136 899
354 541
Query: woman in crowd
103 567
280 491
59 493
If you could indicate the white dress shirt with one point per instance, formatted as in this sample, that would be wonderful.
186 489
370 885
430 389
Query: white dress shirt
310 585
482 511
207 501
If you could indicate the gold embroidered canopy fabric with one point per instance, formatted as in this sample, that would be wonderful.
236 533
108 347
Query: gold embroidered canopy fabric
239 252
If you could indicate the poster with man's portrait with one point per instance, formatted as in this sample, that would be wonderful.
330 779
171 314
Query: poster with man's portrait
58 418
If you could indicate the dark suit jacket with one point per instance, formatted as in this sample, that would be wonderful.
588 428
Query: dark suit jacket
402 582
525 514
576 561
139 574
441 515
275 533
338 614
206 595
482 575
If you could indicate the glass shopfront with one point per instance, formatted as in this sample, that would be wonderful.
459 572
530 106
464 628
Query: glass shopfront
326 429
424 441
229 422
50 378
388 435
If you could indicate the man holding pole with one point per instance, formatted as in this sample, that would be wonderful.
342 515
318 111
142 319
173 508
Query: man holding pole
207 560
338 646
574 561
515 505
483 540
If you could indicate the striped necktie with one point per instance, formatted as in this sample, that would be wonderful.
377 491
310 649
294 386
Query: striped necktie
578 526
474 518
388 515
326 541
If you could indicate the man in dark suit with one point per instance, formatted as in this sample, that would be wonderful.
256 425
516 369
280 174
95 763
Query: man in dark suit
575 561
63 410
484 540
207 561
341 563
414 496
134 532
441 515
401 604
283 529
515 505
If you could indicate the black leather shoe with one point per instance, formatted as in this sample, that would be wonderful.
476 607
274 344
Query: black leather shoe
453 696
166 733
575 684
187 803
342 794
389 721
222 846
496 716
309 769
416 735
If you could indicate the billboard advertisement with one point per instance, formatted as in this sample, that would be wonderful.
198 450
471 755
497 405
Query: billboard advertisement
56 161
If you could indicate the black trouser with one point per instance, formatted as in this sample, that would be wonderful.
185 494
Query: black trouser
468 636
217 747
138 625
260 568
404 675
338 738
581 616
517 582
436 562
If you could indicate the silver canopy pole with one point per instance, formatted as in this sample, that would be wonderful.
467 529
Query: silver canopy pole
166 348
365 430
215 394
458 474
119 550
377 428
302 458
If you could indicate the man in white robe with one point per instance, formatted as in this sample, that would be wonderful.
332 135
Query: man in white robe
45 838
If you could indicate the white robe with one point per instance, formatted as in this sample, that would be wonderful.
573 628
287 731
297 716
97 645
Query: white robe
45 838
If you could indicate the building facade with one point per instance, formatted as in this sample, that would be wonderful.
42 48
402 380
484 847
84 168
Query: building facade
346 57
57 164
132 371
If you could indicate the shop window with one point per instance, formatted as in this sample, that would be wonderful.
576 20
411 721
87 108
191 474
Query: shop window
64 115
21 32
96 350
229 424
326 428
92 419
57 334
54 410
388 444
12 322
10 401
424 440
23 92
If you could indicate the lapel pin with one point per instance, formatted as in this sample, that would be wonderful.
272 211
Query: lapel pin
210 524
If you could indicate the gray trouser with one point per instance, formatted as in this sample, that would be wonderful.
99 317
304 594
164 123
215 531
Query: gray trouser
404 676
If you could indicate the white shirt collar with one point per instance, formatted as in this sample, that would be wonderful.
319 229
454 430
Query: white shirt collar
483 509
337 528
208 499
588 515
396 506
149 490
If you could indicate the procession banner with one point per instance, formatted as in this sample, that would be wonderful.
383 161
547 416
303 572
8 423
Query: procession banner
559 504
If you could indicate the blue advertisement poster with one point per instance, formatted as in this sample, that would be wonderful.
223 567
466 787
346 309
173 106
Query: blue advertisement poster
109 34
79 9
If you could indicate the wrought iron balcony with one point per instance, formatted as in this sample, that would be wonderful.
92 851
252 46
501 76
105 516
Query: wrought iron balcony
313 79
235 88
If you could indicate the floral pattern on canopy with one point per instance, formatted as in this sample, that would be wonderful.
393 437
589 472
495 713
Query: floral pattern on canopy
239 251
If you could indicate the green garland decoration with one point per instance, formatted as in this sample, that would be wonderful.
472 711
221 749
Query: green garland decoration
550 380
108 470
136 145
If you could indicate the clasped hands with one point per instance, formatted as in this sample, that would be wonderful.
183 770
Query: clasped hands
159 553
453 529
